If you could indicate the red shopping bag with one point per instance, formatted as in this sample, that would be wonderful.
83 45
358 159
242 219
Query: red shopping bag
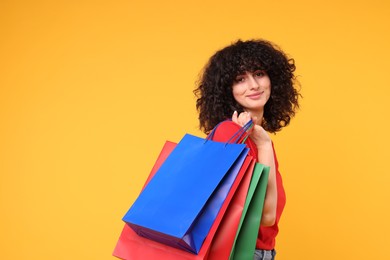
166 150
132 246
224 238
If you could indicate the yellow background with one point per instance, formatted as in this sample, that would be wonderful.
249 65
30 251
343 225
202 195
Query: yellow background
90 90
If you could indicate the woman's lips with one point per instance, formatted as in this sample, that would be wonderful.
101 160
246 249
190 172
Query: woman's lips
256 95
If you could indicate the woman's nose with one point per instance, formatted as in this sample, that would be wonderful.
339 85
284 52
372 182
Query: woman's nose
253 84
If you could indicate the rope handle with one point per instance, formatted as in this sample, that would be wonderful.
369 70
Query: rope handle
236 137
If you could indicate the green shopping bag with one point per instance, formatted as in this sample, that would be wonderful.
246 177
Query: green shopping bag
245 242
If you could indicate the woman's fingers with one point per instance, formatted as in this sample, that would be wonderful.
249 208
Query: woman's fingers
235 117
258 134
244 118
241 118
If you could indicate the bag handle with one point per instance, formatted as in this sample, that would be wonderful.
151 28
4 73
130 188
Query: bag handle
242 131
236 137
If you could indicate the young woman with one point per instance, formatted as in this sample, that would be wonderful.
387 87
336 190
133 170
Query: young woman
253 80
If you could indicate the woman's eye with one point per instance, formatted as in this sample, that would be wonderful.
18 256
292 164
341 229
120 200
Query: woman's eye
239 79
259 73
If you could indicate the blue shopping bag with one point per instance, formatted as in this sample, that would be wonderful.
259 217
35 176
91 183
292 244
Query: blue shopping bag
180 203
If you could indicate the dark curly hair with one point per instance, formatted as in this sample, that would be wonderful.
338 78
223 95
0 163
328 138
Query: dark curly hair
215 101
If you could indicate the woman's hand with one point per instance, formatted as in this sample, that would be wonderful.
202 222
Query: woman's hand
257 133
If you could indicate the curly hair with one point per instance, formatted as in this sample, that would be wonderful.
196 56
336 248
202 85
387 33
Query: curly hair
215 101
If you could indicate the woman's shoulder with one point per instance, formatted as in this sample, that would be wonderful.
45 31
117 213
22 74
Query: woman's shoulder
225 130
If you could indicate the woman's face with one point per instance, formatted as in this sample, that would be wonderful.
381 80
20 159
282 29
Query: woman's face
252 90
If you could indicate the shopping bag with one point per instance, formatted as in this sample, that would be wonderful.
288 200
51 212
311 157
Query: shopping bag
245 226
132 246
245 242
165 152
171 208
224 238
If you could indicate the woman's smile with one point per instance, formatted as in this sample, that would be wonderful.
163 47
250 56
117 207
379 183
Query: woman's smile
255 95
